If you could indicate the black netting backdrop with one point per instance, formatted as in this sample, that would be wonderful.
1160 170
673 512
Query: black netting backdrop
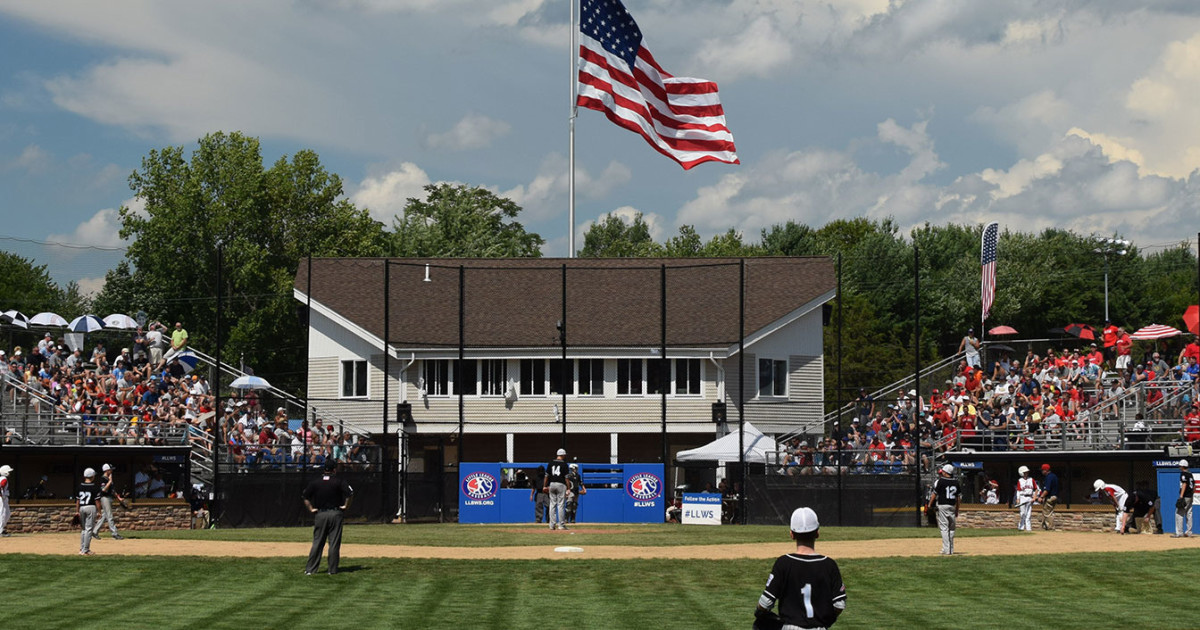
863 500
273 499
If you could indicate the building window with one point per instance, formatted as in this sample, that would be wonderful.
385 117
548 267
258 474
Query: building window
493 377
687 376
533 377
437 377
772 377
470 378
629 376
354 379
561 377
658 376
591 377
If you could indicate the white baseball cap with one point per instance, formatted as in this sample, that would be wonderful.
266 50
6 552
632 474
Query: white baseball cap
5 470
573 466
89 472
1022 470
1183 463
804 520
106 468
948 469
561 451
1098 485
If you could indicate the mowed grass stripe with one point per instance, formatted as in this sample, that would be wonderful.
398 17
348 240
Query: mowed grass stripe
1105 590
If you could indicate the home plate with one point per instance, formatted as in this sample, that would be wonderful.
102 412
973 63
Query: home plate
569 549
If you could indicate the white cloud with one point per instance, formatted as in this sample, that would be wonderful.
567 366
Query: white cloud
386 194
102 229
758 50
546 195
474 131
655 222
91 286
33 160
1166 104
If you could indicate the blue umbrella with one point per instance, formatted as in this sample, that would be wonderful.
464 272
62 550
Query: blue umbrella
188 360
86 324
250 382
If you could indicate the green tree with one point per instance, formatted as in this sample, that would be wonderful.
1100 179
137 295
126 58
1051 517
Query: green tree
613 237
263 220
459 221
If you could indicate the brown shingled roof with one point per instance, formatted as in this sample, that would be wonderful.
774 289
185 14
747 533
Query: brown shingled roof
611 302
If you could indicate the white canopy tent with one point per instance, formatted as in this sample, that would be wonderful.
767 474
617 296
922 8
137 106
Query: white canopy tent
725 449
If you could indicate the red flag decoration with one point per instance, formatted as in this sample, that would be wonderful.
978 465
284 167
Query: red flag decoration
681 118
991 234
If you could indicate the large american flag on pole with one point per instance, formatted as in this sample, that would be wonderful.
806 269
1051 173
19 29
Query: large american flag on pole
682 118
987 258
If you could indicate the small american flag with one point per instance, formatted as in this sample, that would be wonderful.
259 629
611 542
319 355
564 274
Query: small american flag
987 258
681 118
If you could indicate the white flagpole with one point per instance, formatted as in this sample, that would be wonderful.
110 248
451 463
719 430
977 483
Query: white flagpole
574 28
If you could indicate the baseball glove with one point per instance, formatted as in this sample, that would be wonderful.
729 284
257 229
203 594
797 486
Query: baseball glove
76 521
1180 503
767 620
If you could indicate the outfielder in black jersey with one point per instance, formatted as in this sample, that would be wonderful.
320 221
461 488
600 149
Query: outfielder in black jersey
946 497
807 585
1183 504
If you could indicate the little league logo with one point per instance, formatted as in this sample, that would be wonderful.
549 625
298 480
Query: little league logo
479 486
644 487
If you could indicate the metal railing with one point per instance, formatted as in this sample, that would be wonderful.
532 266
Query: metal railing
73 429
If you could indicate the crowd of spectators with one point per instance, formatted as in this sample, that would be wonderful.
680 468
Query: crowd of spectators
1007 405
145 395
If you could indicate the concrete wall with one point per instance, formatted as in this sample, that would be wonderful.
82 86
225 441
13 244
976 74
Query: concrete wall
1079 518
55 516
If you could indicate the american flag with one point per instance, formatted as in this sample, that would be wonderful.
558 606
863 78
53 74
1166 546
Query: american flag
987 258
682 118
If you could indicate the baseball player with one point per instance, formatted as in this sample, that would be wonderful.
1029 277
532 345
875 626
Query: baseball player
107 493
5 510
807 585
1139 507
574 490
1115 495
1183 506
556 488
327 497
86 501
1027 489
1048 496
946 499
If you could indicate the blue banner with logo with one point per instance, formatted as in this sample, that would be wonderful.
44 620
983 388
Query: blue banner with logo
616 493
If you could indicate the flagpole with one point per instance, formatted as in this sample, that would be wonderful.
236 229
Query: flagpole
574 29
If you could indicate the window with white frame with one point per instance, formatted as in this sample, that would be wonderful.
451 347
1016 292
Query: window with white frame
493 377
687 377
772 377
533 377
437 377
591 377
629 376
354 379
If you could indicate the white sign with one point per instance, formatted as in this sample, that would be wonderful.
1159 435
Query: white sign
701 508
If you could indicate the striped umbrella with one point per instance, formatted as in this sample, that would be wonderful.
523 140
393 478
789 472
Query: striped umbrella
1155 331
86 324
188 360
16 318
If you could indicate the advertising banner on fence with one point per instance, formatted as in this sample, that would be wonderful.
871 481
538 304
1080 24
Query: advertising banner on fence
617 493
701 508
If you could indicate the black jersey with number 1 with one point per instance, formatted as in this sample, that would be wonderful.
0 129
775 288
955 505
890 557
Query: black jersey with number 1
809 590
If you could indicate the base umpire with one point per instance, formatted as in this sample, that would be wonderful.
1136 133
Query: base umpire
327 498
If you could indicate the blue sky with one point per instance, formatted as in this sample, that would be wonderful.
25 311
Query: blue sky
1033 113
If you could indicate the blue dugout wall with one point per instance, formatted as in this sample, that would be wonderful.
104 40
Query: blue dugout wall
616 493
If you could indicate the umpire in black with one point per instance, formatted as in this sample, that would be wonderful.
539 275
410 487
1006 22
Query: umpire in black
327 498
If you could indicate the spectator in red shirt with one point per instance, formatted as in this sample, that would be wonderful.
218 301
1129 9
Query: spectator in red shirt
1191 426
1111 334
1190 351
1124 349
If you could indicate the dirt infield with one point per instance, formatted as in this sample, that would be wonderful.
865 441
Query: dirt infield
1035 543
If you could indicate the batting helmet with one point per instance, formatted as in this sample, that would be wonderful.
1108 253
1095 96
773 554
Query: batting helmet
5 470
1098 485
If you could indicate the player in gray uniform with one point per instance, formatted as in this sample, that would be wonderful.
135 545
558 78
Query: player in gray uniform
107 493
1183 505
556 488
85 503
946 499
5 489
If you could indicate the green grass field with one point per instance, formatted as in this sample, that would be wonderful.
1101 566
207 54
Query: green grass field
1111 590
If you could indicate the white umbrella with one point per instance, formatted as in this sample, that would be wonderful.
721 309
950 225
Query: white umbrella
86 324
16 318
119 321
48 319
250 382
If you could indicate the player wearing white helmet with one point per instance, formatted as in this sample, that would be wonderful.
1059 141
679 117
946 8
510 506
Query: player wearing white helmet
1027 489
5 511
946 499
86 502
1183 505
107 493
1113 494
807 585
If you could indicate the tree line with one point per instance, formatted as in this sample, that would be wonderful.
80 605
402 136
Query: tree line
266 220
